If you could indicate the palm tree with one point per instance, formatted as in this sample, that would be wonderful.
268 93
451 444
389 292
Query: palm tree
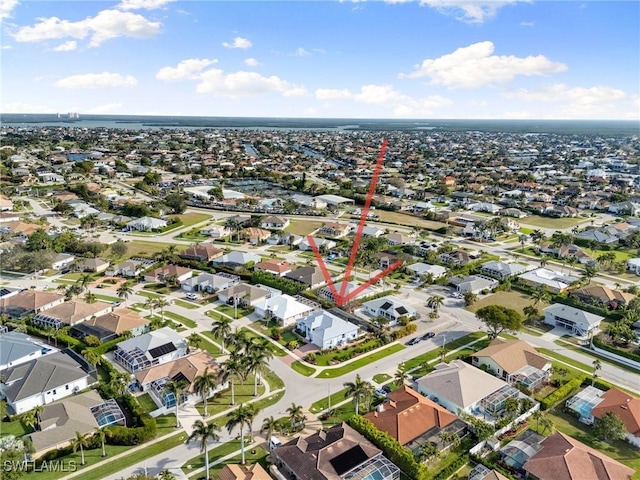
222 328
194 340
590 271
161 303
32 417
449 438
151 304
296 416
469 298
84 280
359 389
232 224
241 417
79 442
540 295
546 424
177 388
435 302
269 426
230 370
204 432
537 416
238 339
429 452
203 384
597 365
401 376
102 436
90 297
124 291
166 475
258 358
91 356
381 325
118 383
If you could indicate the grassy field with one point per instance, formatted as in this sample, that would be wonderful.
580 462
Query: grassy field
243 393
183 304
303 227
548 222
512 299
15 427
323 404
146 294
229 310
107 298
361 362
180 318
189 219
404 219
621 255
381 377
435 353
140 248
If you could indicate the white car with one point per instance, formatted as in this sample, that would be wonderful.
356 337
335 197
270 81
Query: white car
192 296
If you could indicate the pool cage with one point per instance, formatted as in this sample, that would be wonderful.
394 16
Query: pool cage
583 403
376 468
48 321
133 360
494 403
529 377
167 398
108 413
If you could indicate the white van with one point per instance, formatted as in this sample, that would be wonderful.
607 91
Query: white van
274 442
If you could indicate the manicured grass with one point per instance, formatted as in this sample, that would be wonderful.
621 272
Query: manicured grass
621 254
303 369
14 427
274 381
404 219
243 393
144 293
275 349
213 348
370 358
216 454
331 358
229 310
108 298
74 276
183 304
323 404
381 377
512 299
147 404
140 248
567 360
591 353
303 227
618 449
260 456
212 337
191 218
548 222
180 318
435 353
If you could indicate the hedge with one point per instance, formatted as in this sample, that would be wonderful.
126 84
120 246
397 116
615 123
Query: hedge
452 468
117 435
287 285
630 355
66 340
395 452
106 346
562 392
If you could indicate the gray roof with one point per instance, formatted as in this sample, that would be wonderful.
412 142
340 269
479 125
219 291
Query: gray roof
41 375
14 346
153 339
504 268
307 275
574 314
238 258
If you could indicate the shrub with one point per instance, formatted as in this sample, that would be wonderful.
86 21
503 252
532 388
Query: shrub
561 393
623 353
452 468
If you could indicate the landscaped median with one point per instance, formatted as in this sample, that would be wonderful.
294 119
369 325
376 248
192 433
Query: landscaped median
361 362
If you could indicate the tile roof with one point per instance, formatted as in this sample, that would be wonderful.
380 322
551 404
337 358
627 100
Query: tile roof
29 300
512 355
189 366
626 406
75 311
243 472
118 321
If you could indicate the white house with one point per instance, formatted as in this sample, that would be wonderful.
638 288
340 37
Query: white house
473 283
17 348
153 348
216 231
285 308
578 322
145 224
390 307
273 222
503 270
62 260
210 282
542 277
633 264
326 330
421 269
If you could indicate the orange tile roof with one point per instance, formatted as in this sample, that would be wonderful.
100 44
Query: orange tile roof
626 406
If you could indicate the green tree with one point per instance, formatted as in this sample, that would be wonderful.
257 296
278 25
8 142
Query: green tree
498 318
434 302
203 384
100 433
161 303
84 280
597 366
80 441
401 376
38 240
194 340
540 295
469 298
177 388
269 426
242 416
359 389
176 202
429 452
609 427
119 249
31 418
90 297
222 329
257 362
124 291
231 369
296 416
204 433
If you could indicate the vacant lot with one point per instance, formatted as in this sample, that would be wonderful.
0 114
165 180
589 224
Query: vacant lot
548 222
513 299
189 219
303 227
140 248
407 220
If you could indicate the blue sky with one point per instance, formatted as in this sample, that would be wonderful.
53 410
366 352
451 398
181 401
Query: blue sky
371 59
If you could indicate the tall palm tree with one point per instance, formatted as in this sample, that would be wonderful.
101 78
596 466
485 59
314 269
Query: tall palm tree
597 365
124 291
540 295
194 340
242 416
84 280
166 475
435 302
296 415
161 303
258 362
204 432
222 328
177 388
401 376
151 305
32 417
90 297
359 390
231 370
238 339
102 436
269 426
80 441
203 384
91 356
118 383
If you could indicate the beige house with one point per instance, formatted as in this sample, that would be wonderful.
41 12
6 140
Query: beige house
27 302
70 313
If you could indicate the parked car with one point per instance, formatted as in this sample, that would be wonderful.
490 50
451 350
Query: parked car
428 335
192 296
387 388
381 393
413 341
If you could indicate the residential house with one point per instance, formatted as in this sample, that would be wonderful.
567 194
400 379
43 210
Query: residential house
236 259
386 259
128 268
456 257
626 406
603 295
425 269
167 272
245 295
201 253
394 239
514 361
473 283
327 292
371 231
284 308
550 280
94 265
152 348
389 307
18 348
44 380
327 330
323 244
233 471
503 270
146 224
62 260
216 232
70 313
276 267
84 413
339 453
28 302
633 265
255 235
336 230
109 325
209 282
594 235
310 276
409 416
154 378
273 222
578 322
625 208
334 200
6 217
564 458
512 212
6 205
460 386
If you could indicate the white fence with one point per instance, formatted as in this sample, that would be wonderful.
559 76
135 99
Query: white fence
617 358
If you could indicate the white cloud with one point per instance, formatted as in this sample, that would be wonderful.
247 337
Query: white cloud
5 47
238 42
527 24
301 52
475 66
251 62
188 69
91 80
20 107
245 84
6 8
142 4
66 46
332 93
469 11
581 102
106 25
107 108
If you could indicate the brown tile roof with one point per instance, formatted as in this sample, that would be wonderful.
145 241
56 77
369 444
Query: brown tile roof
512 355
118 321
243 472
255 232
190 366
75 311
25 228
30 300
274 266
564 458
605 294
169 270
626 406
406 415
208 252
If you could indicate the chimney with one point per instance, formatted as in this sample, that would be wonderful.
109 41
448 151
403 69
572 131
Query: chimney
380 408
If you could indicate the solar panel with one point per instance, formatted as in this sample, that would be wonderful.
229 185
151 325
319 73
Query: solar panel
179 377
162 350
386 305
402 310
348 460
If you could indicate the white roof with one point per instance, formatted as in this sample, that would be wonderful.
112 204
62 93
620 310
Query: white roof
551 278
153 339
238 257
425 268
334 199
283 306
327 325
391 303
150 222
574 314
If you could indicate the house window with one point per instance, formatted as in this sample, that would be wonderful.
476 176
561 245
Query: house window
54 392
66 387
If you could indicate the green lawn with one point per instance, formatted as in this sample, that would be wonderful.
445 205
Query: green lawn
108 298
591 353
433 354
548 222
323 404
15 427
303 369
303 227
216 454
260 456
361 362
140 248
147 404
211 347
183 304
512 299
189 219
181 319
331 358
381 377
243 393
229 310
144 293
621 255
